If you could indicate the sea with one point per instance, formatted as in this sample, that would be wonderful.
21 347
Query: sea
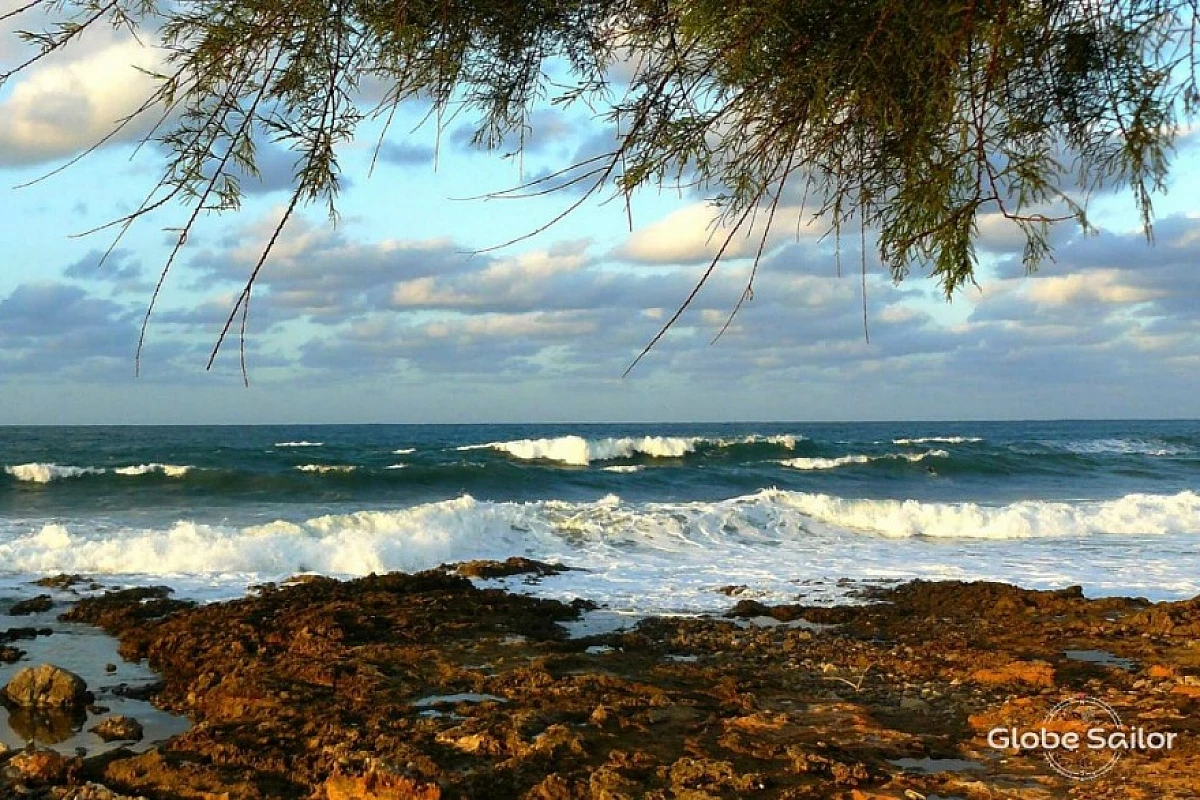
654 518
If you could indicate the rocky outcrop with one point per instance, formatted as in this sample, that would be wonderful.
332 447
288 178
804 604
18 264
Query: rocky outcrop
47 687
119 728
41 767
34 605
425 686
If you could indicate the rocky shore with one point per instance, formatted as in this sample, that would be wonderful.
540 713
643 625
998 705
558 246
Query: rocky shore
427 686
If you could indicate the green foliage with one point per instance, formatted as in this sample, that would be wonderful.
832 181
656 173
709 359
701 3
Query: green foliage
910 119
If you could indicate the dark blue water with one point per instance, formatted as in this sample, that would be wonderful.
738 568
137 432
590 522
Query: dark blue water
231 466
348 499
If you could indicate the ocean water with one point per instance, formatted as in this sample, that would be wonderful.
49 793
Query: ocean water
658 518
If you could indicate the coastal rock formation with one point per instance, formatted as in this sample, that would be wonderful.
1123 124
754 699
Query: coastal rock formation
47 686
426 687
34 605
41 767
119 728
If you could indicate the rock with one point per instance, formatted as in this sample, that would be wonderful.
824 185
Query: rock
41 767
60 581
110 668
119 729
34 605
511 566
94 791
15 634
47 686
1030 673
377 787
10 655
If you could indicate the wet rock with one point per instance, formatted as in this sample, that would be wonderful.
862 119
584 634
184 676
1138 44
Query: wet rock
1029 673
95 791
17 634
378 787
41 767
61 581
510 566
119 728
307 691
34 605
47 686
10 655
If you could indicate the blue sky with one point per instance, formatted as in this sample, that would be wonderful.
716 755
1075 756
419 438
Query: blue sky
393 315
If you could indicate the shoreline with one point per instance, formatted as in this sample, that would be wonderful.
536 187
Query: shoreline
426 685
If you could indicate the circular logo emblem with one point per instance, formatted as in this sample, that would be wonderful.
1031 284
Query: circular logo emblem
1094 721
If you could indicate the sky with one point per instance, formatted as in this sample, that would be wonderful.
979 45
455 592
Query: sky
400 312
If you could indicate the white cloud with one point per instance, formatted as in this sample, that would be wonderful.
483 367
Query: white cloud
694 234
1102 286
63 106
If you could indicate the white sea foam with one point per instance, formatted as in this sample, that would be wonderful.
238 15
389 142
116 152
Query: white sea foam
626 468
579 451
323 468
44 473
396 466
841 461
1134 514
1151 447
299 444
170 470
404 451
783 440
663 556
939 440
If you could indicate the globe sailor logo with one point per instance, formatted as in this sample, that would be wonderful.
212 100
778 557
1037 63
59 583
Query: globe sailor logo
1099 720
1082 738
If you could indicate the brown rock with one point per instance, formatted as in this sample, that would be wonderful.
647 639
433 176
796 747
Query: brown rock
119 729
378 787
552 788
10 655
511 566
33 605
1030 673
47 686
94 791
41 767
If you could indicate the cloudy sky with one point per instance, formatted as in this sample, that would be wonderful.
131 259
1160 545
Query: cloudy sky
395 314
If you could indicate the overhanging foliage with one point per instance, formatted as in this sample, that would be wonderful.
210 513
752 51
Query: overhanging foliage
910 119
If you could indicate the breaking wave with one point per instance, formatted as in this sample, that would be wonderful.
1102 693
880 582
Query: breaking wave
324 468
170 470
44 473
841 461
580 452
939 440
299 444
771 521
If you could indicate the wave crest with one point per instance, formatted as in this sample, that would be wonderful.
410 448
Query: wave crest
44 473
580 452
170 470
841 461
